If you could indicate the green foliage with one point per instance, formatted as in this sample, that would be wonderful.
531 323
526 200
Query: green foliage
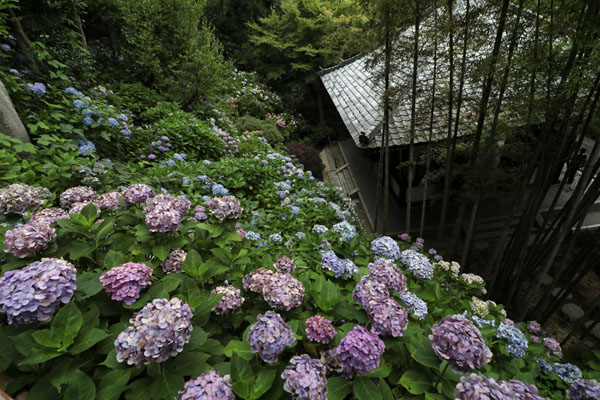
265 128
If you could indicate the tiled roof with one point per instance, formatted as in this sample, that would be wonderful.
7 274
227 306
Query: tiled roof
357 92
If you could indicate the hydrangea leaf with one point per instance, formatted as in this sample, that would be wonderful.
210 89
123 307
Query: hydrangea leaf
67 323
242 349
113 259
87 339
112 385
242 377
263 383
46 338
416 381
365 389
424 354
161 251
338 388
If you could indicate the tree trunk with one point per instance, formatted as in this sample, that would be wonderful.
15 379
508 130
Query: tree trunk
413 116
23 42
386 118
79 25
446 195
10 123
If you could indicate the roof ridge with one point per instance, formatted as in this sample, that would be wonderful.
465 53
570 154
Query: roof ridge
345 62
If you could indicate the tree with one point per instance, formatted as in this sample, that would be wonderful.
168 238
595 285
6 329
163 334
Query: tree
10 123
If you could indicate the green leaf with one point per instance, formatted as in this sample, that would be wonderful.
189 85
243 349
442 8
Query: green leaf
42 390
46 338
386 392
425 355
241 376
203 310
78 250
241 348
193 264
415 381
338 388
161 251
113 259
365 389
80 387
38 355
113 384
382 371
166 386
197 338
90 212
88 339
263 383
325 293
67 323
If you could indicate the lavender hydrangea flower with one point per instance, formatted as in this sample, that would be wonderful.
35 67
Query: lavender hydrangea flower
255 281
224 207
319 329
339 267
415 304
522 391
319 229
535 339
28 238
108 201
516 341
19 198
48 216
78 207
33 293
359 350
125 282
137 193
37 88
534 327
269 335
475 387
553 346
165 200
368 290
333 366
207 386
275 238
346 231
567 372
78 194
387 273
584 389
231 300
283 291
388 318
385 247
200 213
417 263
305 378
159 331
172 263
163 218
285 264
458 341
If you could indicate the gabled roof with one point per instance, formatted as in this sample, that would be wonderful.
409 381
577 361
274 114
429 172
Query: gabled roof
356 91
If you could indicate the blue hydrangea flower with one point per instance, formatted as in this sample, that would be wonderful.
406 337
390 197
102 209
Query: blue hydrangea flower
275 238
385 247
206 162
78 104
88 121
73 91
86 147
294 210
417 263
253 236
345 230
219 190
112 121
339 267
319 229
567 372
37 88
185 181
517 343
178 157
5 47
415 304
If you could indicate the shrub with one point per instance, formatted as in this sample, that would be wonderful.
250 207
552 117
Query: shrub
307 156
267 129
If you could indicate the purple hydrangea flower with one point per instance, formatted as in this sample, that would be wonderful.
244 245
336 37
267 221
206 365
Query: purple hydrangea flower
523 391
269 335
231 300
567 372
415 304
417 263
388 318
78 194
158 331
207 386
359 350
200 213
340 267
475 387
77 207
28 238
179 204
404 237
387 273
224 207
255 281
332 365
125 282
534 327
48 216
137 193
368 290
33 293
385 247
38 88
285 265
163 218
535 339
19 198
305 378
553 346
419 242
172 263
458 341
432 251
319 329
584 389
108 201
516 341
283 291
